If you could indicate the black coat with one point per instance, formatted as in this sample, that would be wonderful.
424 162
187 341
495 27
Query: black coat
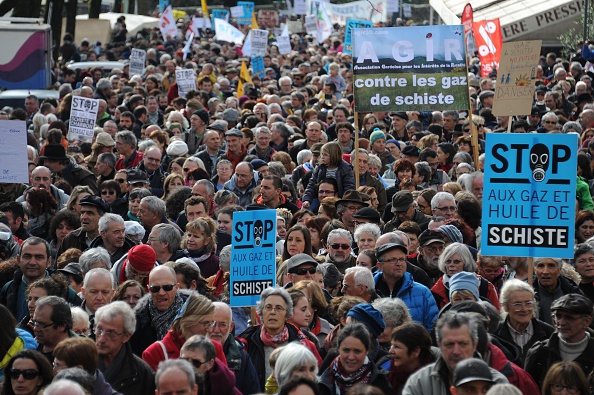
379 379
133 376
542 331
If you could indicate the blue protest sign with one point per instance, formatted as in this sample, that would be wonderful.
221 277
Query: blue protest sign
219 14
253 256
350 25
529 195
258 68
248 9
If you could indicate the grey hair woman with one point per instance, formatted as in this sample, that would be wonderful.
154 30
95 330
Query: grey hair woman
295 360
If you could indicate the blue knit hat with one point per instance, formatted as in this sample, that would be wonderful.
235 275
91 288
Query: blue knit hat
369 316
452 233
465 281
395 142
376 135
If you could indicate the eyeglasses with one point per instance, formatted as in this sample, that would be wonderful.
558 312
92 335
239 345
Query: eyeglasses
156 288
121 180
195 362
278 309
108 193
550 122
325 192
340 246
434 249
303 271
109 333
518 306
40 325
28 374
560 387
394 260
221 325
136 275
353 208
450 208
454 261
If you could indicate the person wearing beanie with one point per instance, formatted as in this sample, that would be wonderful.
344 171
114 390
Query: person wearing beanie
369 316
378 147
194 136
464 286
136 265
451 233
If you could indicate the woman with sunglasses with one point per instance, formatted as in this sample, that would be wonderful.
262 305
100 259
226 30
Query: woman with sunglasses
27 373
194 318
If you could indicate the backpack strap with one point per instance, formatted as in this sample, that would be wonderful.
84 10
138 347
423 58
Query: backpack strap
484 288
164 349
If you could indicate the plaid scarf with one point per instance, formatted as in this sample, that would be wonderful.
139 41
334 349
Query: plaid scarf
162 321
274 340
343 381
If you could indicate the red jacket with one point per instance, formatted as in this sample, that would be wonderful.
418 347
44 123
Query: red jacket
173 342
123 163
515 374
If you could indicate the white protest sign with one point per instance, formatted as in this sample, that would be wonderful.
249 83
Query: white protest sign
167 24
186 81
237 11
392 6
193 28
259 42
246 49
284 44
311 24
137 59
299 7
13 152
83 115
407 10
227 32
295 26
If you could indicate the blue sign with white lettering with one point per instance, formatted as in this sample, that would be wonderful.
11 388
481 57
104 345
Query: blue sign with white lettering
253 256
258 68
529 195
219 14
248 9
350 25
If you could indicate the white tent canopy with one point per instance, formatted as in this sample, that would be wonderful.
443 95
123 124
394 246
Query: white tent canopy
134 23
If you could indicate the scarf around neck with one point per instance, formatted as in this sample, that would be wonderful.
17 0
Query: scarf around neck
274 340
342 381
162 321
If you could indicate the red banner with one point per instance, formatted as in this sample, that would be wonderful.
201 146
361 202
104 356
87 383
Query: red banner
467 19
488 38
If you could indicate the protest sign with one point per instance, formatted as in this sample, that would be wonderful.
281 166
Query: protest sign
83 115
353 24
284 44
406 10
258 68
299 7
415 68
259 42
253 256
367 10
137 59
268 18
488 38
167 24
219 14
237 11
186 81
13 152
311 26
392 6
228 32
516 78
295 26
529 195
248 9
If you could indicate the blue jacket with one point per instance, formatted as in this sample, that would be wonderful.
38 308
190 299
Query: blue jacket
417 297
27 342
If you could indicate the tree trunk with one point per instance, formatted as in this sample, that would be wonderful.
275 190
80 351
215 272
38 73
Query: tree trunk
94 9
56 23
71 17
117 6
131 6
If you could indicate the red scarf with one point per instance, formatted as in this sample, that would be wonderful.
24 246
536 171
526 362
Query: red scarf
235 159
273 341
282 201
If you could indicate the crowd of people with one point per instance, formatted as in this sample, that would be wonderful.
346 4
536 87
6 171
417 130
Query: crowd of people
115 258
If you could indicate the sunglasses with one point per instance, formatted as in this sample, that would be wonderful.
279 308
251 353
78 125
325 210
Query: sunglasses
156 288
303 271
108 192
28 374
121 180
195 362
340 246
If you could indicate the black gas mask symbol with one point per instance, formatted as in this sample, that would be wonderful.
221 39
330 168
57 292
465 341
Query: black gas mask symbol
258 233
539 161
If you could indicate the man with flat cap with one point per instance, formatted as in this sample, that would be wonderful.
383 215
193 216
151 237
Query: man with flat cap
431 245
393 281
194 136
405 209
300 267
572 315
398 125
472 376
92 209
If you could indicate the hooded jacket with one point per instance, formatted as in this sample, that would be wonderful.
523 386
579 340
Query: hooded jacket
514 374
416 296
245 197
345 179
57 193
